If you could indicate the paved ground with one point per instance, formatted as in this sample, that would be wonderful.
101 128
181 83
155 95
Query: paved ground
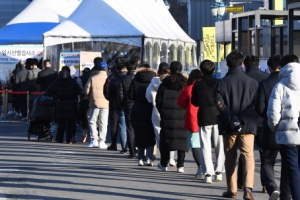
47 170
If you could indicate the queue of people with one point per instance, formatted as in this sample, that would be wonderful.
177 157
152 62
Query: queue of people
174 112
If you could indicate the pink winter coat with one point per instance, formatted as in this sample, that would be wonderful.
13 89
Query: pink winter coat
190 116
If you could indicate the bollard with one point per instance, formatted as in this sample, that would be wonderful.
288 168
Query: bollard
28 106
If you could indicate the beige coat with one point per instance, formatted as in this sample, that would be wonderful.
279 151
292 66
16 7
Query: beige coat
94 90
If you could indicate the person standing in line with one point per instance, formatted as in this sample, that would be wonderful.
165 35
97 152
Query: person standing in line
127 104
46 76
252 67
67 90
84 106
283 118
32 85
117 118
141 114
203 97
15 97
190 118
163 71
21 84
269 146
98 107
235 97
95 69
173 136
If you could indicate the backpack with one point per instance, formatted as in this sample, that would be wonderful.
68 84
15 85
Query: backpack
113 91
31 84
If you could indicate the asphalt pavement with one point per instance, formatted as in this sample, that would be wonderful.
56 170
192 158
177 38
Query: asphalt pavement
49 170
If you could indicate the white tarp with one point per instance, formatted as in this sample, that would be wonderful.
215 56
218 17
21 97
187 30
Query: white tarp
95 20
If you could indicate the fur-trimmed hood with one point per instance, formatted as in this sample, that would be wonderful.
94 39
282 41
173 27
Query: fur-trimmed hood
144 75
175 81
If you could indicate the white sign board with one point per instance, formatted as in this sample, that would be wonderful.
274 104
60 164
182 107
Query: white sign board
12 54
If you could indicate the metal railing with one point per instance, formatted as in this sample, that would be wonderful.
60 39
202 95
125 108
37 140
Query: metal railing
6 92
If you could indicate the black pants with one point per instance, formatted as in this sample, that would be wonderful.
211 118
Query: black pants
268 161
258 141
65 124
113 116
165 157
130 133
23 104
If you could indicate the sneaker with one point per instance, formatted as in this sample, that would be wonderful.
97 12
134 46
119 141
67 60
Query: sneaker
102 145
24 119
159 166
149 162
93 143
199 173
112 148
275 195
207 179
180 170
132 156
123 151
172 163
218 176
141 162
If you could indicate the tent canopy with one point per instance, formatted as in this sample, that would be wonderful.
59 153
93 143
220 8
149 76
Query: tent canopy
38 17
99 20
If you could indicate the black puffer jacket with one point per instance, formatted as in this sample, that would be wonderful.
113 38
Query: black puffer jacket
21 79
141 120
235 94
46 77
262 101
142 77
67 91
113 90
203 96
173 136
123 91
255 73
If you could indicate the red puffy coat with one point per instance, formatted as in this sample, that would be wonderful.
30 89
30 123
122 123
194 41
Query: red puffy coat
190 116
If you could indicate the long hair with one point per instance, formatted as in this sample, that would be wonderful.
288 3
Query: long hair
194 76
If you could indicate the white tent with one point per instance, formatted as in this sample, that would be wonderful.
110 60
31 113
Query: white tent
38 17
123 27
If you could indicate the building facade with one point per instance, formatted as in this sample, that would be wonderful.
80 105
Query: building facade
11 8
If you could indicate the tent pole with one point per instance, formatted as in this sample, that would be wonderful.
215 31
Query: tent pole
143 51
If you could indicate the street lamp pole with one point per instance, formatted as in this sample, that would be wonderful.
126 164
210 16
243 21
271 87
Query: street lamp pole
218 10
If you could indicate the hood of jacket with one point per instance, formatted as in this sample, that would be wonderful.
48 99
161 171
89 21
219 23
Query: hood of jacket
290 76
65 83
175 81
144 75
155 82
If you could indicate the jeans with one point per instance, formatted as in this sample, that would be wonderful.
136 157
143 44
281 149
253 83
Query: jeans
122 128
290 155
99 115
149 153
268 161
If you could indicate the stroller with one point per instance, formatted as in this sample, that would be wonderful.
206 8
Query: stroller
41 118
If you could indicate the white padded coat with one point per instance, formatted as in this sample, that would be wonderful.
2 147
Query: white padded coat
284 106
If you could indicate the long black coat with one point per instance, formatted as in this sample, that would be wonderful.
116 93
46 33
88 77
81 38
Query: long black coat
46 77
262 101
173 136
203 96
236 95
255 73
67 91
141 114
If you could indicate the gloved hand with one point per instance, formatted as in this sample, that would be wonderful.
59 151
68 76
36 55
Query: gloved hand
236 125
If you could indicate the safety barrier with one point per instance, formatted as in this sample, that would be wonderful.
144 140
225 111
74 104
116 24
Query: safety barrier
6 92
